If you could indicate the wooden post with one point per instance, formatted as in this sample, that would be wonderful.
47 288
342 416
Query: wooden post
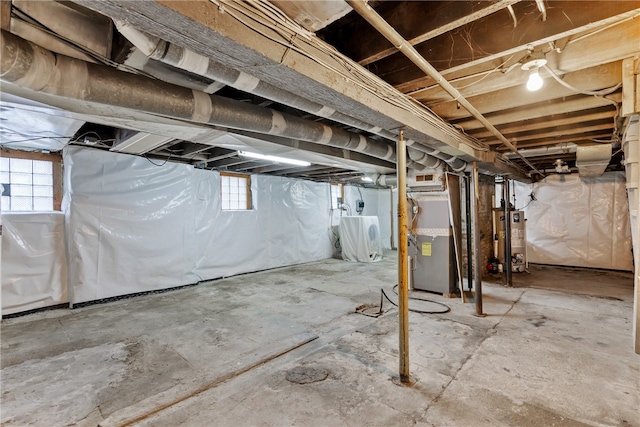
403 262
477 265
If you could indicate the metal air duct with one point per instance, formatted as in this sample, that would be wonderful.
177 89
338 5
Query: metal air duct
592 160
30 66
167 53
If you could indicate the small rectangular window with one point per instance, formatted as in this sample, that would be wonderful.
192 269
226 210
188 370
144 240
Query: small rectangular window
337 195
235 191
26 184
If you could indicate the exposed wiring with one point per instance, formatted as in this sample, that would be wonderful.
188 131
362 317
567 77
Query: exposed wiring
602 92
281 29
157 164
542 9
606 27
513 15
383 295
446 310
532 198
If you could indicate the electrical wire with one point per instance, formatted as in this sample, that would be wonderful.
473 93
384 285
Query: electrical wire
314 48
600 93
447 308
157 164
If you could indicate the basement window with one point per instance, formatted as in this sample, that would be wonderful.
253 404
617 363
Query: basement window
28 184
235 190
337 196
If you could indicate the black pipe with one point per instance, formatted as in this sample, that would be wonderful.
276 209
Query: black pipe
467 194
507 235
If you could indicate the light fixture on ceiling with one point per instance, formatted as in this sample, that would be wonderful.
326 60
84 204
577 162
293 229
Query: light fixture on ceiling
275 159
532 65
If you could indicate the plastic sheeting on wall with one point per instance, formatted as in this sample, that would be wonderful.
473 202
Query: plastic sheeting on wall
578 222
360 238
136 227
129 224
34 265
288 225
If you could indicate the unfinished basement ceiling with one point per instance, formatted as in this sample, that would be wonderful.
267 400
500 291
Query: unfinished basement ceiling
322 63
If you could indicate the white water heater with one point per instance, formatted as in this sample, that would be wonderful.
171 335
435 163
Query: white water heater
518 239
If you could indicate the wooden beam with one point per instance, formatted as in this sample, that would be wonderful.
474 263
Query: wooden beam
614 39
5 15
31 155
410 21
551 107
596 78
612 44
554 123
630 90
550 141
495 34
557 133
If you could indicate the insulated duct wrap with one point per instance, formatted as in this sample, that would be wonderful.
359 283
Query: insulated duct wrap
592 160
31 67
185 59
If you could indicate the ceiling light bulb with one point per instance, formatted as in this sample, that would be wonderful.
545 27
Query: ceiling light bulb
535 81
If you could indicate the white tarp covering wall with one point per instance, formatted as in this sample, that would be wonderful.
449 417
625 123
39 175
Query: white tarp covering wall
130 226
134 226
34 266
578 222
288 225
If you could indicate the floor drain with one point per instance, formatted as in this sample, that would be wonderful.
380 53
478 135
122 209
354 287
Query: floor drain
306 375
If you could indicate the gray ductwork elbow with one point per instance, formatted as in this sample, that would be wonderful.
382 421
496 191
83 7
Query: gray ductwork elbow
387 181
423 158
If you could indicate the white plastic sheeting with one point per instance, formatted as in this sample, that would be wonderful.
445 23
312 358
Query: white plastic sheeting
34 265
130 224
578 222
360 238
134 226
288 225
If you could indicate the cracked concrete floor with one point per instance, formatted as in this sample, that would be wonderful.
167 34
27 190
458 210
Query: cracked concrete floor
555 349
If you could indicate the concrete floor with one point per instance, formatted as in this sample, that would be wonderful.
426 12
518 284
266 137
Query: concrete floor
284 347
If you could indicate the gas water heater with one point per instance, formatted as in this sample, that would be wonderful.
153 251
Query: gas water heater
518 239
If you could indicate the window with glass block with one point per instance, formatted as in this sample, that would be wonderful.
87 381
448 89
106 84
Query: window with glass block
27 185
235 191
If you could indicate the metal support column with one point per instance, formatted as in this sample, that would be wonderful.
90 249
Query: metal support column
393 239
403 262
477 265
508 275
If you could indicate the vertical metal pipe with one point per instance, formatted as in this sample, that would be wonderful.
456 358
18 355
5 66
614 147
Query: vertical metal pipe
476 240
507 235
403 264
393 243
467 200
